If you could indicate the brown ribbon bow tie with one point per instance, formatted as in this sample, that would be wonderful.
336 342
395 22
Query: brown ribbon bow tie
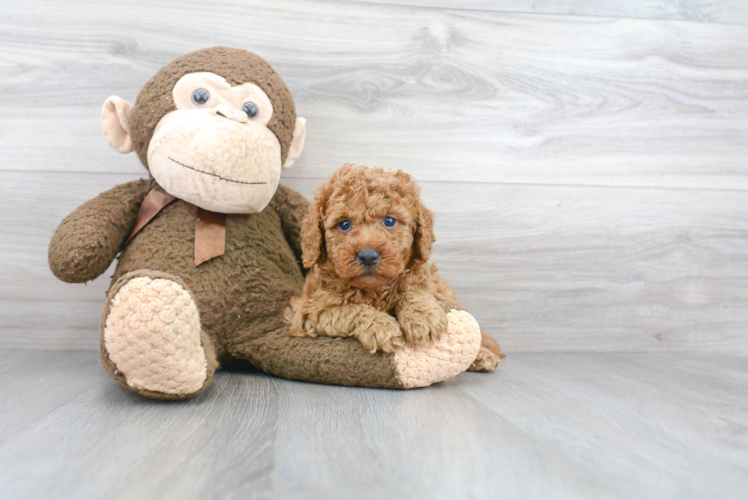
210 227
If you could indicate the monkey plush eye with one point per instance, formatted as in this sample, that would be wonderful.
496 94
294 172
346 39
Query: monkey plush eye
200 96
251 109
345 225
389 222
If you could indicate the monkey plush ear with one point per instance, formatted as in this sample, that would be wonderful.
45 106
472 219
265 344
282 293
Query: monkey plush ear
115 123
297 143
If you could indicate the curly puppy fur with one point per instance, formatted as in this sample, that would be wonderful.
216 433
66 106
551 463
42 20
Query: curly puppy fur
400 299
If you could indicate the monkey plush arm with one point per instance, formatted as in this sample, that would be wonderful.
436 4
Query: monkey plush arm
292 207
87 241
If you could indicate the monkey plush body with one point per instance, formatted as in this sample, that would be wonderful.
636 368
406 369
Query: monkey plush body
208 245
240 294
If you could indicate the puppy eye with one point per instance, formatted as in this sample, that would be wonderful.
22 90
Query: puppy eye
200 96
389 222
345 225
251 109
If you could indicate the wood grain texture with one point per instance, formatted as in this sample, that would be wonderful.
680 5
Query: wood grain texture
713 11
588 174
26 378
445 94
543 268
552 426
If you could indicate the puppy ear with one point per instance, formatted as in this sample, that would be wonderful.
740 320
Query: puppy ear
313 230
423 237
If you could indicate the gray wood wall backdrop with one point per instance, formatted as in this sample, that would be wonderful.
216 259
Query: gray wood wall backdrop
587 161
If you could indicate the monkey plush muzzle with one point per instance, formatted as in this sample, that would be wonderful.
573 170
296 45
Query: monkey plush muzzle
216 159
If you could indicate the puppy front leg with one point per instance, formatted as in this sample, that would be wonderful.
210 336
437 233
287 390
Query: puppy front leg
421 317
375 329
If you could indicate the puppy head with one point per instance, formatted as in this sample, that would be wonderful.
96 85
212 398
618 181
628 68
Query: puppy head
369 225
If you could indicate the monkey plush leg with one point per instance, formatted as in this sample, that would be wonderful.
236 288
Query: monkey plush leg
489 356
151 340
344 361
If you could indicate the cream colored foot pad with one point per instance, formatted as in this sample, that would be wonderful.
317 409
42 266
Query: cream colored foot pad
451 355
152 335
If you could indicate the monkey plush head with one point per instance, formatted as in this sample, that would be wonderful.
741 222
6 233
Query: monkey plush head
213 127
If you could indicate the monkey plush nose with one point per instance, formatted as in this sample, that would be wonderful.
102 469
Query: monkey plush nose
367 257
231 113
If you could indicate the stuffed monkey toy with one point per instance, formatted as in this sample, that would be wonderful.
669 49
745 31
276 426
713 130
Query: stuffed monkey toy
209 248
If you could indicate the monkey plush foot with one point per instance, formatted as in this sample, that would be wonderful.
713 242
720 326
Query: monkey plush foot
152 342
453 353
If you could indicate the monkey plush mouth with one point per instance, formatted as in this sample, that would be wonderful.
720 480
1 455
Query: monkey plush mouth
212 175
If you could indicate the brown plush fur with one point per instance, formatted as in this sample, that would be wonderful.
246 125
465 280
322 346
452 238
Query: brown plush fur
87 241
400 300
234 292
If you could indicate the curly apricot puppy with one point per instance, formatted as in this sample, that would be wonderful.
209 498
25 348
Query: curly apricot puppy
367 239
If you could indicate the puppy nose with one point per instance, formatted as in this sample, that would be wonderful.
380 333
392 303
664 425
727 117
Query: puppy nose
367 257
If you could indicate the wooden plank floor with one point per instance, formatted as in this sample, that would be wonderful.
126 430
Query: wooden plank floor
550 426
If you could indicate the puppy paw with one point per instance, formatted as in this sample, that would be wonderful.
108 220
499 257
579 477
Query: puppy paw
485 361
301 333
302 328
382 333
424 327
